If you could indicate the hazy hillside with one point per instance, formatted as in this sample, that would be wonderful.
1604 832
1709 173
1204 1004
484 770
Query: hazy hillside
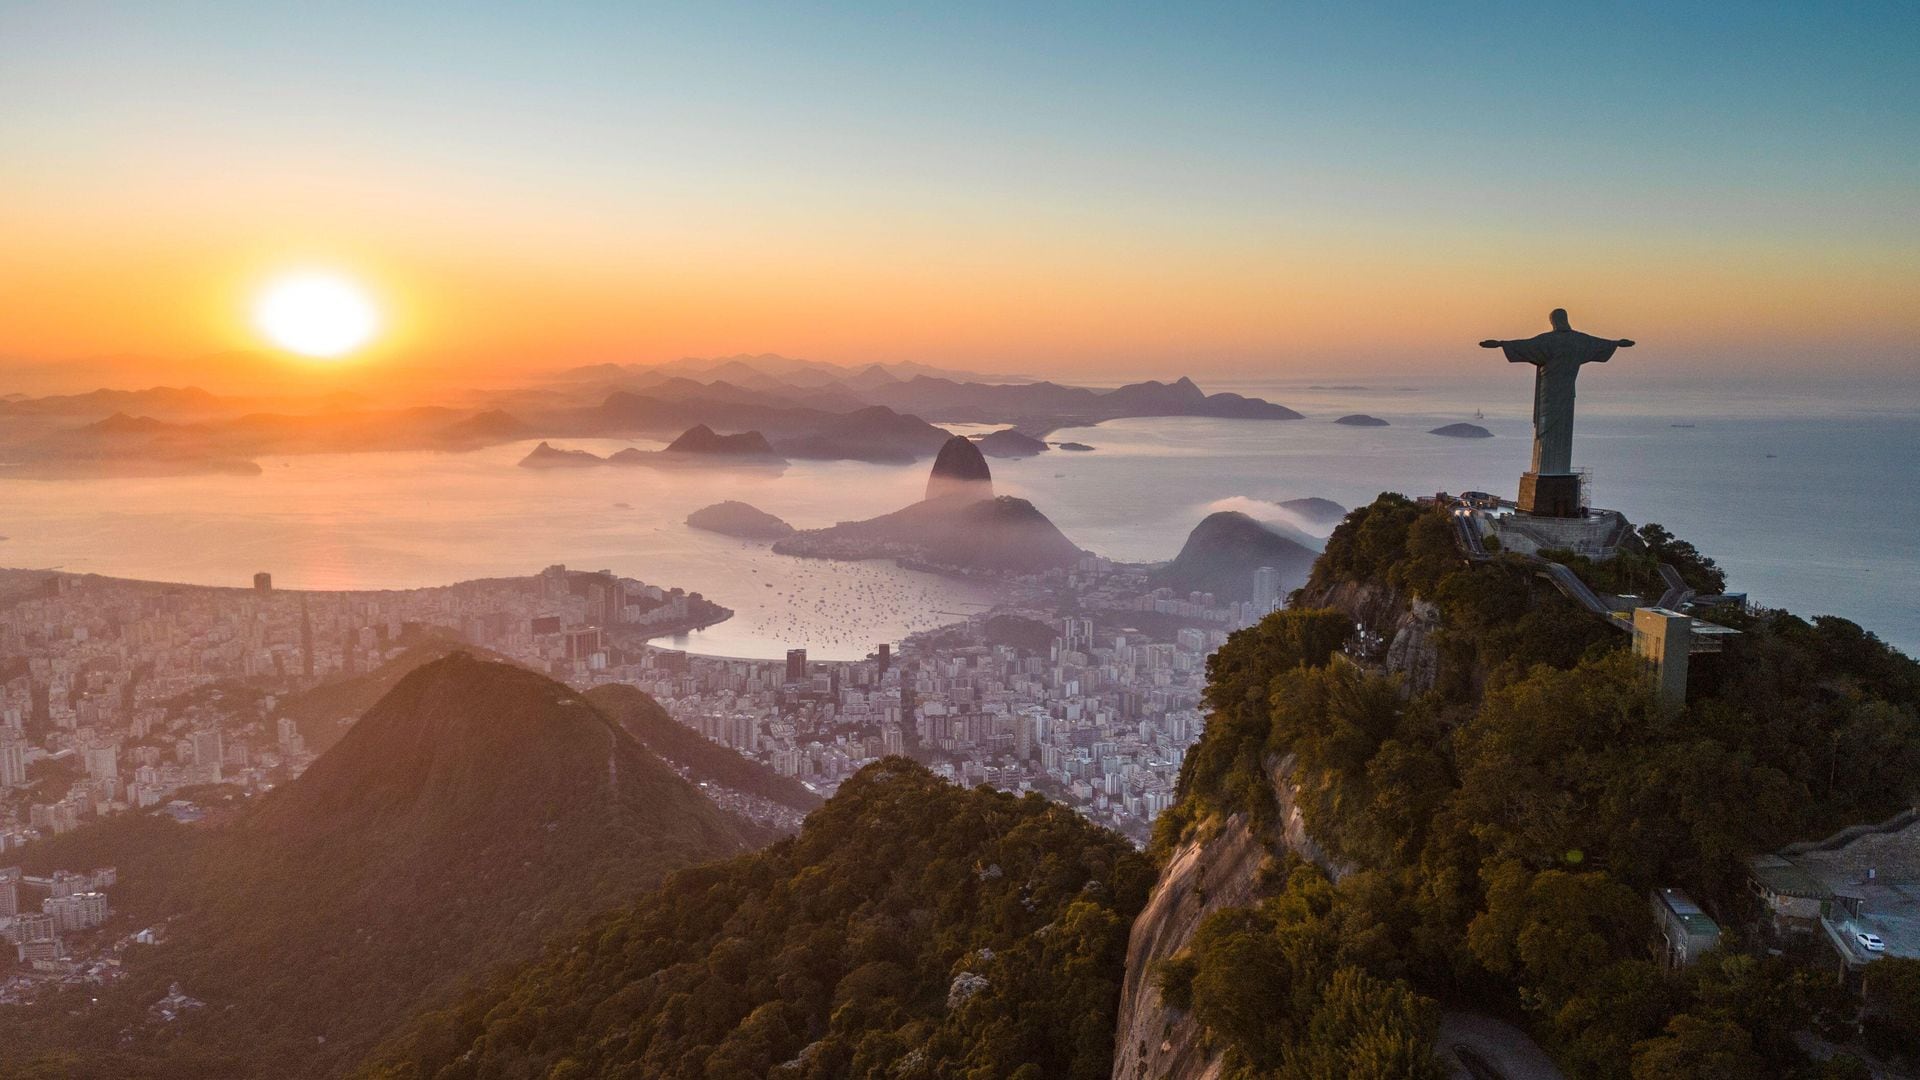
477 809
1223 551
705 759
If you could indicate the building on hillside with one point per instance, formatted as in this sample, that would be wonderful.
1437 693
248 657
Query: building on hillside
1266 591
1685 931
1866 883
1795 901
76 911
36 937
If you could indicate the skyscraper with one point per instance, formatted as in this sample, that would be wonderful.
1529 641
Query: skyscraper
263 582
1266 590
13 763
796 665
208 754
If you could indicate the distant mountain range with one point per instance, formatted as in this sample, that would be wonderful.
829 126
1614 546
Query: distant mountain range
886 414
746 369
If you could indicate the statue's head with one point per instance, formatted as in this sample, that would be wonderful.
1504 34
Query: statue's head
1559 319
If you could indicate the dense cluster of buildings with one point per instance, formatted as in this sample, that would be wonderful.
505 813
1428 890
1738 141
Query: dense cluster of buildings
69 903
1085 686
123 694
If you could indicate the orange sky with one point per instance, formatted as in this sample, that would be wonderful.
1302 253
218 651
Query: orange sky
1008 213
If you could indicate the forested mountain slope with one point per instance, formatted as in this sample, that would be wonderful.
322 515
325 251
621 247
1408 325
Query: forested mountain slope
913 929
1490 840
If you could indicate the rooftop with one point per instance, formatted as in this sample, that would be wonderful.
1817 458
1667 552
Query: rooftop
1876 874
1777 875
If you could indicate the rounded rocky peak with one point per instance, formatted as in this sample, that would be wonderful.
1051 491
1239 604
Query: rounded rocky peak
960 469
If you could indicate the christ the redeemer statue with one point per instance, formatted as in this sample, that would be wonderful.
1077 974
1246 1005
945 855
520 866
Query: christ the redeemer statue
1556 357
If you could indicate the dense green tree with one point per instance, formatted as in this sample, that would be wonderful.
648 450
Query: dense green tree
1497 834
1698 1048
912 930
1893 1004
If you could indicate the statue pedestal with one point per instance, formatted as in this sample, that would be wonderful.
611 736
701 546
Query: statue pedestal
1550 494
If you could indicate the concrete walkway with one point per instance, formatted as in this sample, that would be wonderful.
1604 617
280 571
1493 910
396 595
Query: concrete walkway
1511 1053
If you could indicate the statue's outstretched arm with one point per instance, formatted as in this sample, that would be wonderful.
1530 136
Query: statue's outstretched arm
1625 343
1490 343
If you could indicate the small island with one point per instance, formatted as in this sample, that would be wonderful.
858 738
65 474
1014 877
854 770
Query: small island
734 518
1079 446
1009 443
1462 431
548 456
1361 420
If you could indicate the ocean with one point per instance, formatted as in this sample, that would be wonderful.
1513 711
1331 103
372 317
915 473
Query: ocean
1806 498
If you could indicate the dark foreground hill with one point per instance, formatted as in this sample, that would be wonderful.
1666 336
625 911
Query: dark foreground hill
475 811
912 930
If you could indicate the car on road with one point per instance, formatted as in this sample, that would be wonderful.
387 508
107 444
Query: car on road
1870 942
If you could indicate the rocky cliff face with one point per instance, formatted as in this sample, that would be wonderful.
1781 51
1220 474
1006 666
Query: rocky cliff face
1205 874
1407 627
1220 865
1217 868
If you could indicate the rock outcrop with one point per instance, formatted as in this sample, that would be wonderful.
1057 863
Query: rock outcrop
960 469
1001 535
1204 875
1408 626
1218 867
960 525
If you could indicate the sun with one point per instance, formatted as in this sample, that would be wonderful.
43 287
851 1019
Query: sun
317 314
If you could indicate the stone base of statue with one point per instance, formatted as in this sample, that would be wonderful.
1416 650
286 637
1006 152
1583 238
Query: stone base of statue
1551 494
1598 535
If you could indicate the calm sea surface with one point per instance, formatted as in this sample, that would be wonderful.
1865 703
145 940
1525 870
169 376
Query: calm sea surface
1807 500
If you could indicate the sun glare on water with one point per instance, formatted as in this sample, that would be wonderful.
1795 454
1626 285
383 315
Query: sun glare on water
321 315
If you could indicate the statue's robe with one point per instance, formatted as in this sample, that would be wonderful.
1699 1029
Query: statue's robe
1556 357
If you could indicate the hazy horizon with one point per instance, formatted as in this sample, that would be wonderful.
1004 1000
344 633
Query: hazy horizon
1089 195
